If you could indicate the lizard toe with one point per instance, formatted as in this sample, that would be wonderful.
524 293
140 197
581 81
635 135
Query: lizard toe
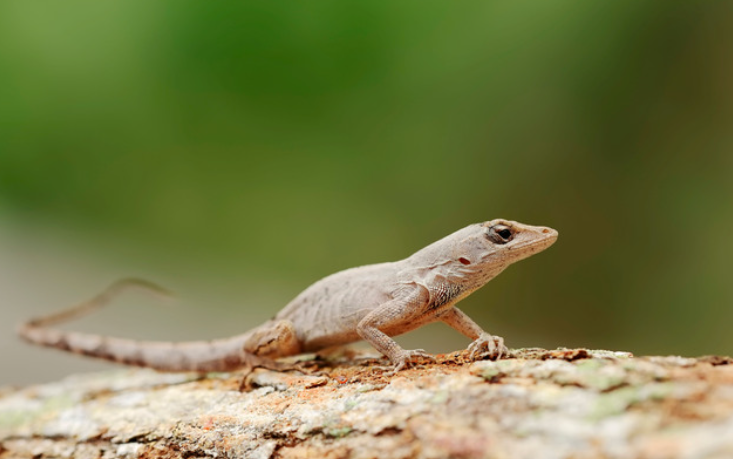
407 358
489 346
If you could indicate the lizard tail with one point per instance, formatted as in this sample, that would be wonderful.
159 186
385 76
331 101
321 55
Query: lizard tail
203 356
98 301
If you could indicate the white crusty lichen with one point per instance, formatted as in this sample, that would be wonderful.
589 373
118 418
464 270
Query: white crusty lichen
537 404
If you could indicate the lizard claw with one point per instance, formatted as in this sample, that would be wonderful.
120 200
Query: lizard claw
406 358
487 345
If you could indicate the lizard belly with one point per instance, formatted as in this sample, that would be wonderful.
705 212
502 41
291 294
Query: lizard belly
333 321
338 328
327 313
323 341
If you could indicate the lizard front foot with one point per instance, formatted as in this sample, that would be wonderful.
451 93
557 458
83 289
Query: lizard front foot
405 359
487 345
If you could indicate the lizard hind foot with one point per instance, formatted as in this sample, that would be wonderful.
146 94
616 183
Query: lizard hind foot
487 345
406 359
254 362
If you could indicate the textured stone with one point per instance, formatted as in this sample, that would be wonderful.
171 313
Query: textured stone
537 404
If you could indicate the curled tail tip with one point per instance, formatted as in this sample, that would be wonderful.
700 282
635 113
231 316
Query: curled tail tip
23 328
29 332
146 285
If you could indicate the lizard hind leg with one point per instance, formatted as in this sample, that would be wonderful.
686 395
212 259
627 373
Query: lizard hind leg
274 339
269 341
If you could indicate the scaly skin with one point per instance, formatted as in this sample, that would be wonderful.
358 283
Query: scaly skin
373 303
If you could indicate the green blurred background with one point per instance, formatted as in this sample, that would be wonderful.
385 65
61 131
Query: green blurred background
237 152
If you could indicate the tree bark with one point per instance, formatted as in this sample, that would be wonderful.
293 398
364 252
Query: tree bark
536 404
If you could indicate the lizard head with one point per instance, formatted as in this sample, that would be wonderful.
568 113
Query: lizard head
478 252
516 241
494 245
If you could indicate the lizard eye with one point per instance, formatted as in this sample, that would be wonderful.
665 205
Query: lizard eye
504 233
500 234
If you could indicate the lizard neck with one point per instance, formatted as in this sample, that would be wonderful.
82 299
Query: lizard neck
443 272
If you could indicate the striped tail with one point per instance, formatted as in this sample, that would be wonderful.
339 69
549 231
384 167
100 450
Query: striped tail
203 356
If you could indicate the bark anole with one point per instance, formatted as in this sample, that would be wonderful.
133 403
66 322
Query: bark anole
370 303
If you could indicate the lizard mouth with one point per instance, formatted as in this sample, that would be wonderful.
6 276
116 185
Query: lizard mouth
549 236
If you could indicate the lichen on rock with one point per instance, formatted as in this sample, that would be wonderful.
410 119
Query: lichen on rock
535 404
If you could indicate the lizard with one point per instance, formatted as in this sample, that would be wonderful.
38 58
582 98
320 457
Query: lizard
371 303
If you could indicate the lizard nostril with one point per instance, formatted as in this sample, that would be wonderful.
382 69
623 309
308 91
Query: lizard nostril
545 230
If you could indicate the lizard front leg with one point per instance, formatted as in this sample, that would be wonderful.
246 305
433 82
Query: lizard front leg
483 344
391 317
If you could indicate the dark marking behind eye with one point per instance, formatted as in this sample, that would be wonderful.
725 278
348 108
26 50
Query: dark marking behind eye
464 261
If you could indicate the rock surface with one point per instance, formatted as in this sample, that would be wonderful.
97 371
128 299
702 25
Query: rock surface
537 404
